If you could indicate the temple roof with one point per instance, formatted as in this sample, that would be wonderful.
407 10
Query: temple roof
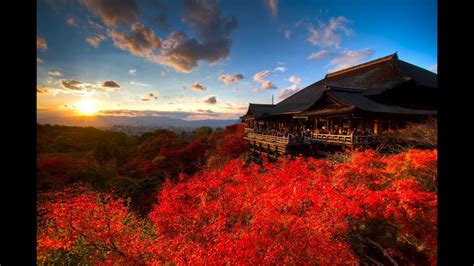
370 78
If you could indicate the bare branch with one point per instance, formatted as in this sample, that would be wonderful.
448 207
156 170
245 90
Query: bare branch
383 251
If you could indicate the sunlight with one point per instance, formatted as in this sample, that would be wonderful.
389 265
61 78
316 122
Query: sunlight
87 107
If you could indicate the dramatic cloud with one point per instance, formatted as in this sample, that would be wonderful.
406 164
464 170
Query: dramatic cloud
434 68
351 58
261 75
140 84
268 85
41 43
72 21
280 69
95 40
55 73
140 42
198 87
231 78
114 12
132 71
183 53
319 55
110 85
212 42
39 61
272 5
287 92
294 79
211 100
329 35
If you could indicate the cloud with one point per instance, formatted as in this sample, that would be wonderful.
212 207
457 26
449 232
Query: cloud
198 87
182 53
235 90
75 85
110 85
41 43
287 92
151 96
294 79
140 84
434 68
114 12
172 114
272 5
261 75
42 89
132 71
211 100
205 111
178 51
82 88
268 85
329 35
287 33
141 41
350 58
230 78
95 25
72 21
39 60
319 55
95 40
55 73
280 69
255 90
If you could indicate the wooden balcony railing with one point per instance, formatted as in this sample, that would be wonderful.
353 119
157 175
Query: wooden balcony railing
268 138
324 138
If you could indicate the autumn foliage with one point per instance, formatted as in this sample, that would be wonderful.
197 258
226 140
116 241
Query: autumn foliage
369 209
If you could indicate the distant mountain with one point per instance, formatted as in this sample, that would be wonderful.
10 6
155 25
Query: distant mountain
146 121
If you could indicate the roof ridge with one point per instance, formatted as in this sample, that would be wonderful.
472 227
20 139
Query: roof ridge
268 104
343 88
366 64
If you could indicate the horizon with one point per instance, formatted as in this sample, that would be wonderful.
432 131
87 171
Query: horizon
200 60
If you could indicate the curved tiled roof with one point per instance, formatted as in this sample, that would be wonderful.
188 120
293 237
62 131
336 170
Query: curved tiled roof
375 77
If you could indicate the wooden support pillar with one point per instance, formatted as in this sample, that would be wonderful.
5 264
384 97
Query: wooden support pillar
350 124
339 128
376 126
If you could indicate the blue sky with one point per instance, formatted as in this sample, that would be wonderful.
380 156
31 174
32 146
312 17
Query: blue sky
209 59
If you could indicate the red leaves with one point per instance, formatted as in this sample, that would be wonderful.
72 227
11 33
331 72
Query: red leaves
290 212
77 219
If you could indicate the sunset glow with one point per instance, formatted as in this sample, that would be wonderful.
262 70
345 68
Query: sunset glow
87 107
206 60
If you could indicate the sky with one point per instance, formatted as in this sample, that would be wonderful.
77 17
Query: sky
208 59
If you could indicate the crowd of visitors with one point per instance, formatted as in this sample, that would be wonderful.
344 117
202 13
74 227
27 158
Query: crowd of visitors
306 134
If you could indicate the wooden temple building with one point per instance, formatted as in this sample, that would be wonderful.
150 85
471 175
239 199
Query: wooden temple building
347 109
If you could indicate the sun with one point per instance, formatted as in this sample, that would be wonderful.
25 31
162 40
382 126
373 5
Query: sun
87 107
